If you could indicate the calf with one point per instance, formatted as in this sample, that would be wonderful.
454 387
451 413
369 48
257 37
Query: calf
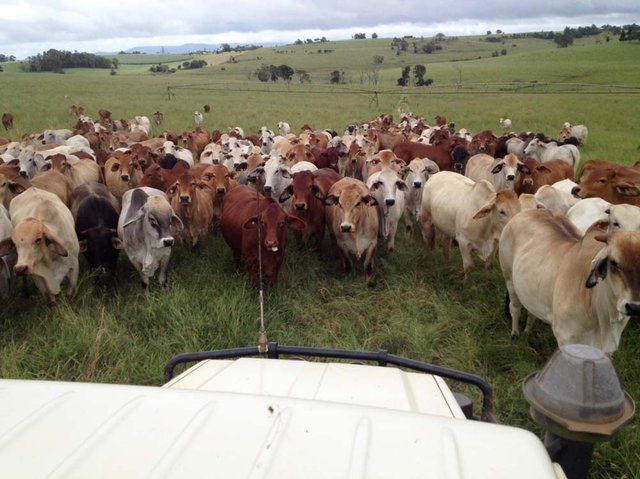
220 181
247 216
533 175
471 212
388 189
144 227
353 221
615 185
122 172
96 212
417 175
155 176
45 240
500 172
307 192
192 201
7 120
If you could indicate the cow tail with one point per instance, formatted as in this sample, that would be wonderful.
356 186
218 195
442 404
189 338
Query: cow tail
507 300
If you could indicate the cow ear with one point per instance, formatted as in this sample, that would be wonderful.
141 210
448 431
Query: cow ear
317 192
52 240
375 186
173 189
251 223
16 188
401 185
203 186
6 247
116 243
485 210
286 194
331 200
598 269
497 168
177 223
369 200
627 189
296 223
543 168
83 245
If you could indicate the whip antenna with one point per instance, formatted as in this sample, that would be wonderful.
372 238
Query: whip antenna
263 347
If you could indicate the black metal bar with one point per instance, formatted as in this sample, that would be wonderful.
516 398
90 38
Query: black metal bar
381 357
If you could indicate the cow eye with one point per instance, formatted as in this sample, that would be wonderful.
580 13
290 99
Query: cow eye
614 266
38 241
502 212
153 221
602 180
615 225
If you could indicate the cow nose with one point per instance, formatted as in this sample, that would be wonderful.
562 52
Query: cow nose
417 184
575 191
267 189
300 206
23 173
184 199
353 161
511 177
22 270
389 202
168 241
632 309
457 167
124 177
345 228
221 191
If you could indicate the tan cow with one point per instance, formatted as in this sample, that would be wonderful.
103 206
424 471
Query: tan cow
472 213
500 172
121 173
192 201
79 172
352 217
45 239
51 181
587 287
219 179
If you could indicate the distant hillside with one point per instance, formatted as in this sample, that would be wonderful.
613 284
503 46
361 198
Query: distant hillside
187 48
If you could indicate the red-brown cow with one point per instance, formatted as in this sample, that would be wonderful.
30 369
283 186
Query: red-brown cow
161 178
121 173
440 152
196 141
308 190
192 201
533 175
104 114
220 181
7 120
328 158
239 227
616 185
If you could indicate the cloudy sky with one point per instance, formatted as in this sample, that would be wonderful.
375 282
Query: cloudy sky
30 27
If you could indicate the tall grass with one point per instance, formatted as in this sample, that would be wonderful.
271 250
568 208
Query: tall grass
420 306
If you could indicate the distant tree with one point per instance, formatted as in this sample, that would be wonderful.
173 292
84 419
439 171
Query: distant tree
323 40
419 72
503 51
630 33
378 59
404 79
335 77
488 32
308 40
225 47
298 42
113 72
285 72
564 39
1 69
263 75
440 37
115 63
374 35
360 36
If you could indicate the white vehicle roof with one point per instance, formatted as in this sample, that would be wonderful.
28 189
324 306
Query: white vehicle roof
255 418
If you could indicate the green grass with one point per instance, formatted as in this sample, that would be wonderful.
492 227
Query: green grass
419 308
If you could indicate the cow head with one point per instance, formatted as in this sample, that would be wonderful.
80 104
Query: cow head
272 222
157 218
100 246
351 204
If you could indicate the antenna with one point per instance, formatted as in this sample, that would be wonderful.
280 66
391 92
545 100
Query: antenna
263 345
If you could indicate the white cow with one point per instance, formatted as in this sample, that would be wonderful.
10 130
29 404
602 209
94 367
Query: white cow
579 132
588 211
500 172
542 152
505 123
198 118
557 198
178 152
471 212
141 123
283 128
45 239
388 189
144 227
56 137
418 172
586 287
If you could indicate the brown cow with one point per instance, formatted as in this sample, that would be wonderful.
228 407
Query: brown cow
239 227
483 142
298 153
79 172
121 173
219 179
352 217
440 120
158 117
308 190
7 120
533 175
206 108
104 114
441 152
51 181
161 178
192 201
196 141
616 185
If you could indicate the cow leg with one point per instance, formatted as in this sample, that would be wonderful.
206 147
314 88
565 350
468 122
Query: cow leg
428 232
467 259
164 266
515 307
368 267
346 262
72 276
446 247
530 320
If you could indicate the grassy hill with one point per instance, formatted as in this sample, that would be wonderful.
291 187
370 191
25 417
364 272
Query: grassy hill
419 307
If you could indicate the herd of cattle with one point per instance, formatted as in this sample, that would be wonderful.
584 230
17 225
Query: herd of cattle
567 234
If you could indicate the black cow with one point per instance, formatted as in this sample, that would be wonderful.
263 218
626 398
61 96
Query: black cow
96 214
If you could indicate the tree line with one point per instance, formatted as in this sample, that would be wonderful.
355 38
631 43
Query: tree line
56 60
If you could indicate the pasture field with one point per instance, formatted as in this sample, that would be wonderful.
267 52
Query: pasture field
420 306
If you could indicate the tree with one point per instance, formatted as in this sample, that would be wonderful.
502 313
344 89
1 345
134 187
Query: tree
298 42
374 35
335 77
360 36
440 37
285 72
418 72
499 32
488 32
404 79
378 59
